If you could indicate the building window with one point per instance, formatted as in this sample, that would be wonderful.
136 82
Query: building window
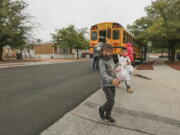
64 50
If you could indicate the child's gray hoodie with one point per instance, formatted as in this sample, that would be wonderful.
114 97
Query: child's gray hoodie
107 72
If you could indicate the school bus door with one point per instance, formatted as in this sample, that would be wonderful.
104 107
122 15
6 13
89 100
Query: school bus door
108 36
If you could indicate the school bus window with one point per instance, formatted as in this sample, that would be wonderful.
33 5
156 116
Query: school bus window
115 34
94 35
109 33
127 37
124 36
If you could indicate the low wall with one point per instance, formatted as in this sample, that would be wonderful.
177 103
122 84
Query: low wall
54 56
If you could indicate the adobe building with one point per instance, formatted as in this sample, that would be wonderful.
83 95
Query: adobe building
43 50
51 50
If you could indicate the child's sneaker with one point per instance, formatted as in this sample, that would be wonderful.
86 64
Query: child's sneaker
100 113
129 89
110 120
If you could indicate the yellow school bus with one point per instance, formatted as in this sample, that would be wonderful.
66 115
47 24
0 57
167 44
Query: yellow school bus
115 35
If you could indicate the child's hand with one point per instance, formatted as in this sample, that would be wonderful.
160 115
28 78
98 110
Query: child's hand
128 63
115 82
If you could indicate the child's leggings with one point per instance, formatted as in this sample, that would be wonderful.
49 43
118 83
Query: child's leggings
128 84
108 105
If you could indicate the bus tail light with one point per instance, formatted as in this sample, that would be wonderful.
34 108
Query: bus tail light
94 27
93 44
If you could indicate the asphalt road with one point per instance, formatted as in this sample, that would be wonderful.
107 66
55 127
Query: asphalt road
34 97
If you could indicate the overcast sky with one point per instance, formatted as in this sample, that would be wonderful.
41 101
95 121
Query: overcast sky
55 14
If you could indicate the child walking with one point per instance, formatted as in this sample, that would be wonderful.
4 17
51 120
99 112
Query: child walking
108 82
124 62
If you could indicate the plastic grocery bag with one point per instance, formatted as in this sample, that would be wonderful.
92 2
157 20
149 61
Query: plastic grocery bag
130 69
122 74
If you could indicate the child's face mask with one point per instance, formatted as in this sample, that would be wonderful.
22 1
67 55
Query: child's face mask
124 54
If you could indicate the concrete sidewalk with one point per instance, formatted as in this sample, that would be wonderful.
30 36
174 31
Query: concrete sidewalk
153 109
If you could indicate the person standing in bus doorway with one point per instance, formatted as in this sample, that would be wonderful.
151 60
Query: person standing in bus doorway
124 62
96 55
108 82
130 51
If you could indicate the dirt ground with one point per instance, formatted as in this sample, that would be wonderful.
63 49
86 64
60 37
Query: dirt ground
145 66
175 65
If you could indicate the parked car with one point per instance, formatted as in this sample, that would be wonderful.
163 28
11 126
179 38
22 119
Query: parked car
84 54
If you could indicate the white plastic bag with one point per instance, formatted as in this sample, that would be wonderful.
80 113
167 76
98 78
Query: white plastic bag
122 74
130 69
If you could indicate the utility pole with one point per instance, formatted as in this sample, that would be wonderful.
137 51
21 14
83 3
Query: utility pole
149 44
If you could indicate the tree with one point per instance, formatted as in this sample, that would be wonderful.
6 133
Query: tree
70 37
162 25
38 41
15 24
